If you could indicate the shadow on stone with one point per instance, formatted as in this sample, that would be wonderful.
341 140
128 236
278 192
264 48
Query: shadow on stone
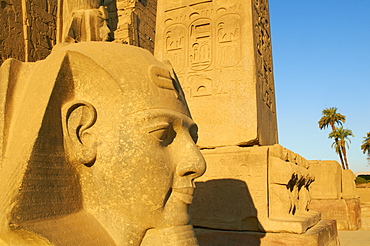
222 211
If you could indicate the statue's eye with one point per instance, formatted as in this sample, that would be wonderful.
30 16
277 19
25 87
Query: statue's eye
159 133
194 133
164 134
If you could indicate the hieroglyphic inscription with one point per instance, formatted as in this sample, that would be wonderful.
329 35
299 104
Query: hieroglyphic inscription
200 45
206 35
196 2
201 85
228 40
264 51
234 76
203 40
175 45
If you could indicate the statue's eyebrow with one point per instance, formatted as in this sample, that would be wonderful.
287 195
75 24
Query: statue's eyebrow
163 118
156 126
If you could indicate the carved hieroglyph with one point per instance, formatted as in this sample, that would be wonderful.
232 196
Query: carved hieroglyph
97 147
221 51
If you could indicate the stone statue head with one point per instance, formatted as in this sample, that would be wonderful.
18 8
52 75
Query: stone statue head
98 148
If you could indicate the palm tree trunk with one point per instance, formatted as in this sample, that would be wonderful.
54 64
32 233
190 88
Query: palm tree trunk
339 151
340 156
345 156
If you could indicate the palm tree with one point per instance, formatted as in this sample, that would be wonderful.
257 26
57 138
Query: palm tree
341 143
330 118
366 146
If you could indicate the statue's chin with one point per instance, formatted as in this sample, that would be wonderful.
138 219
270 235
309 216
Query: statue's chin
175 212
174 228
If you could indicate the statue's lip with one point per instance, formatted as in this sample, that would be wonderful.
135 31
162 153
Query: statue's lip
184 194
186 190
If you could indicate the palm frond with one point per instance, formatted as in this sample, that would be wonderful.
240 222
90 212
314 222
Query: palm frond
365 147
330 118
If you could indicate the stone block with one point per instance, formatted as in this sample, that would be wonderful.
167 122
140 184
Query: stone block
334 194
349 185
322 234
221 52
249 189
347 212
365 215
364 194
328 180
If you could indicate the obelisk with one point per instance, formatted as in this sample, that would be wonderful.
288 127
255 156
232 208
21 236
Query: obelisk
221 52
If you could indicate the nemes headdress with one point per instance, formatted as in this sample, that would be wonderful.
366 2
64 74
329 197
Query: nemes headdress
32 156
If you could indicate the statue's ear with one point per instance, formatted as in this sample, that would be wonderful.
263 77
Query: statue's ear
80 142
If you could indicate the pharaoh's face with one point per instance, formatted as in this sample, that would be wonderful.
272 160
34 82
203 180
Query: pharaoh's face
147 162
142 141
160 161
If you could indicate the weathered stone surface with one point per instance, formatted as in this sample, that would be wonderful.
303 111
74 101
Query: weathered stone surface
41 19
221 51
322 234
347 212
81 21
27 29
349 185
95 152
365 215
133 22
253 189
364 194
11 34
354 214
28 32
334 194
328 182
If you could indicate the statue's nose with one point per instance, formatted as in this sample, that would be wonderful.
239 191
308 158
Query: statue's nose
190 162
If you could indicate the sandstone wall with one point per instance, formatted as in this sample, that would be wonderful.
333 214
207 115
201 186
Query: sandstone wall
41 24
364 194
334 194
27 29
133 21
11 35
328 182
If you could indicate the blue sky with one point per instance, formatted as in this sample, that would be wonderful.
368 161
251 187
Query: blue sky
321 55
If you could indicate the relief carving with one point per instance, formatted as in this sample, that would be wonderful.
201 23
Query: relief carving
200 45
227 81
228 40
266 90
195 2
264 59
175 45
174 5
200 85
